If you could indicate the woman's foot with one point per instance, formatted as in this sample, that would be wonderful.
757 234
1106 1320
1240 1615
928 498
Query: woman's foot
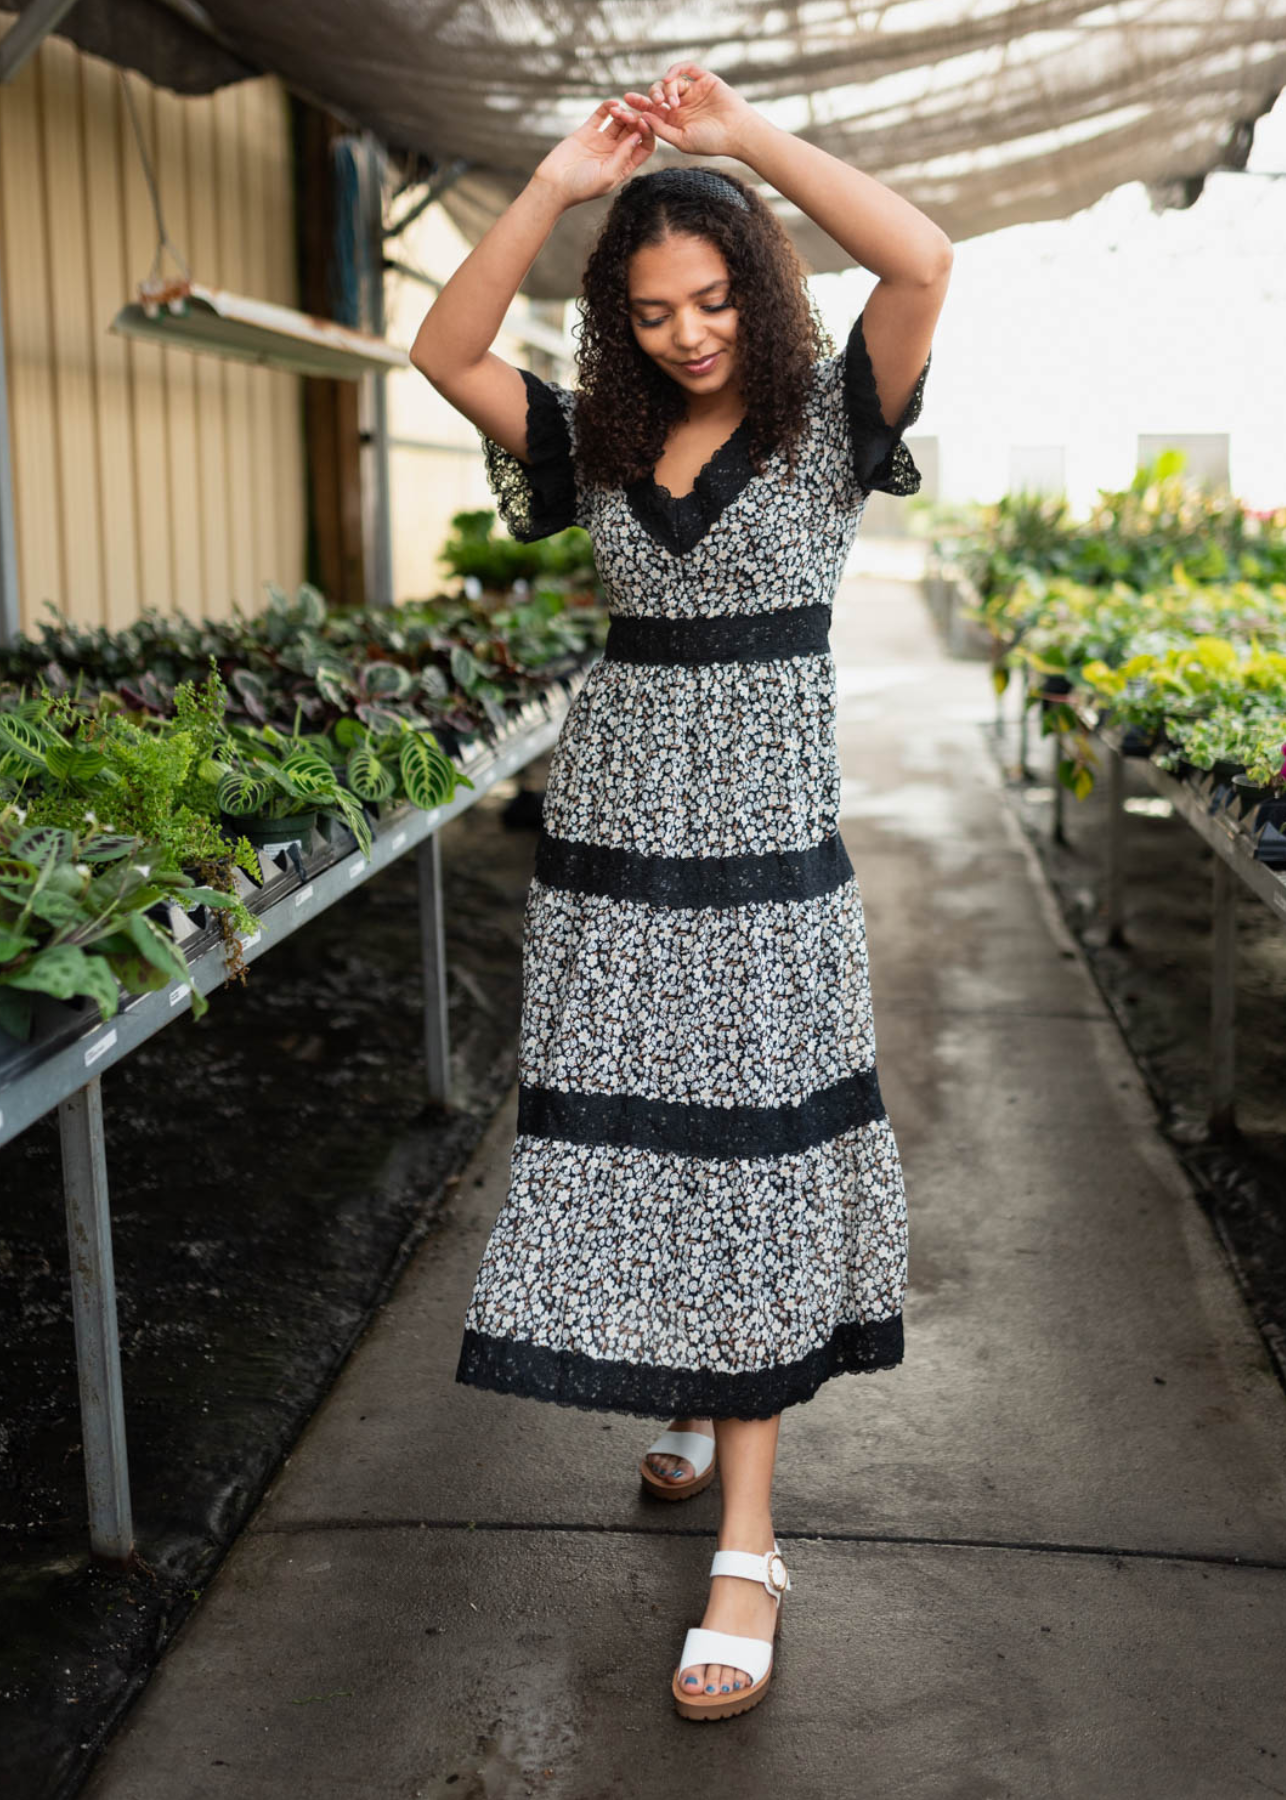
678 1466
736 1605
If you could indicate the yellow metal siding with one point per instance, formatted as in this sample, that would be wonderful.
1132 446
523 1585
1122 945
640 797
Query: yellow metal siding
143 476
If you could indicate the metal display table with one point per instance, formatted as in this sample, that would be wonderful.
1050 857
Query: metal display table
1204 807
65 1070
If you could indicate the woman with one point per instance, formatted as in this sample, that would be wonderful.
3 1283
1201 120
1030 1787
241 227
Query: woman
706 1217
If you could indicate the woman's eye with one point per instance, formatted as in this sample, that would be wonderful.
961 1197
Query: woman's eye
722 306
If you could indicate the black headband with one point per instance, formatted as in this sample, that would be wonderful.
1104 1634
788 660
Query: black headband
707 182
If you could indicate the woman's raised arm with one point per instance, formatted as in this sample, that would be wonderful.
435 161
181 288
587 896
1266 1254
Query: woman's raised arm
695 110
452 348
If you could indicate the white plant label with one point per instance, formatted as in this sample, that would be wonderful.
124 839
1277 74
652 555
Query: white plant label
95 1050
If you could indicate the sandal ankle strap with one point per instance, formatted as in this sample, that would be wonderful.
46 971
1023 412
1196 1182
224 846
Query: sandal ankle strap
770 1568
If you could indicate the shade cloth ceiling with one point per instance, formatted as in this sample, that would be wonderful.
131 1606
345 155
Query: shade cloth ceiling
982 114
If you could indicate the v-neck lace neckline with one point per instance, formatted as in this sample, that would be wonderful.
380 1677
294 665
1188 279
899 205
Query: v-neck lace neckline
680 521
715 456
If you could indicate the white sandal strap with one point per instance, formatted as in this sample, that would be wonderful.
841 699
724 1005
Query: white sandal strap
752 1567
695 1445
702 1645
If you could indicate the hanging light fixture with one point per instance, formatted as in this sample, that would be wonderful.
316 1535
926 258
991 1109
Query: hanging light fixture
182 314
186 316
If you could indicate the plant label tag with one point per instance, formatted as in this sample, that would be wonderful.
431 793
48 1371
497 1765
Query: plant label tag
304 895
399 838
178 995
96 1049
358 868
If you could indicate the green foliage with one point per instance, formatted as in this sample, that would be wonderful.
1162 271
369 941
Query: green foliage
73 918
496 561
298 659
1163 611
70 764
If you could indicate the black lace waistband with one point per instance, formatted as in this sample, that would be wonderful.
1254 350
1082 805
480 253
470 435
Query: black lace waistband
690 881
736 637
685 1128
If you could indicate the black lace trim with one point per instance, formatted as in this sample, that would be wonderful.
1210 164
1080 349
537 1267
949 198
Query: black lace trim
537 497
684 1128
880 458
680 524
732 637
692 880
654 1391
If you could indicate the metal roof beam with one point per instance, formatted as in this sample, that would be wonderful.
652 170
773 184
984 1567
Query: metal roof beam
28 31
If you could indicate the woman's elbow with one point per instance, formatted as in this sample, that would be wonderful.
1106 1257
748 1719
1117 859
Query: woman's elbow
423 358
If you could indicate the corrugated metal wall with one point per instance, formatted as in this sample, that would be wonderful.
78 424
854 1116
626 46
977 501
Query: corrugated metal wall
143 476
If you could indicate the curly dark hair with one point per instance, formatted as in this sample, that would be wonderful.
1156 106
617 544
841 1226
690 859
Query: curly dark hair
780 333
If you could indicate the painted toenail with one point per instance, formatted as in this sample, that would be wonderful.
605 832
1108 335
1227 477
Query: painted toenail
726 1689
709 1687
691 1681
737 1685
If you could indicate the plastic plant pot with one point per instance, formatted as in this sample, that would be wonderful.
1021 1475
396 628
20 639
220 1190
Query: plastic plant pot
1139 740
1249 797
295 828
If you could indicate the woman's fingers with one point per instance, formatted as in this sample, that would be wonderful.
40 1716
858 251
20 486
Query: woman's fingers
635 146
600 117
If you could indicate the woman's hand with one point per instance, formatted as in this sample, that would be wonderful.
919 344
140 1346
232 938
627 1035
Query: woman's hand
598 157
691 109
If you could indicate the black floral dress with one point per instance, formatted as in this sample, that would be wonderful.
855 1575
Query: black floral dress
706 1214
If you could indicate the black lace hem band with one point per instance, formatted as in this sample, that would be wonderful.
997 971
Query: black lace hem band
654 1391
736 637
684 1128
692 881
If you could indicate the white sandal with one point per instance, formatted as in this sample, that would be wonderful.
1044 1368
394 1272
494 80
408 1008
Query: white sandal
754 1655
699 1451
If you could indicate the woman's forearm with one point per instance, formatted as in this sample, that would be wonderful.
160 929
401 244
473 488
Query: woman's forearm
880 230
463 322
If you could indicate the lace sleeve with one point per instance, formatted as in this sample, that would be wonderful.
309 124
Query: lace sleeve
538 497
879 457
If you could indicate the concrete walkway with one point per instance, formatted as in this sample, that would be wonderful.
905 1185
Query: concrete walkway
1044 1557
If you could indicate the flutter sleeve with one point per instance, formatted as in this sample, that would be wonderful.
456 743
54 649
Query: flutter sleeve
878 458
540 496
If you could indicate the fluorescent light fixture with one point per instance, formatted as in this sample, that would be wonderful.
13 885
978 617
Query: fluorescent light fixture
186 316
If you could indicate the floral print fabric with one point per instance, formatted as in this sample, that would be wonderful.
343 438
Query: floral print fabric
706 1213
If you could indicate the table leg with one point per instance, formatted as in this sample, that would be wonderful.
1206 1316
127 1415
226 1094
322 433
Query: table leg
93 1291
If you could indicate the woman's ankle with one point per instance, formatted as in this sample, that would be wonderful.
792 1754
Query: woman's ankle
751 1531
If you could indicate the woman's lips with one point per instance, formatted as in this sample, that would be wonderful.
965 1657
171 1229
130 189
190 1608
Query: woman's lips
701 367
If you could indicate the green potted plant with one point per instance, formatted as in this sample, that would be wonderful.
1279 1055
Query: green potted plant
74 918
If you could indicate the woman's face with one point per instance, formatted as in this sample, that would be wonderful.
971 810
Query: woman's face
681 312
